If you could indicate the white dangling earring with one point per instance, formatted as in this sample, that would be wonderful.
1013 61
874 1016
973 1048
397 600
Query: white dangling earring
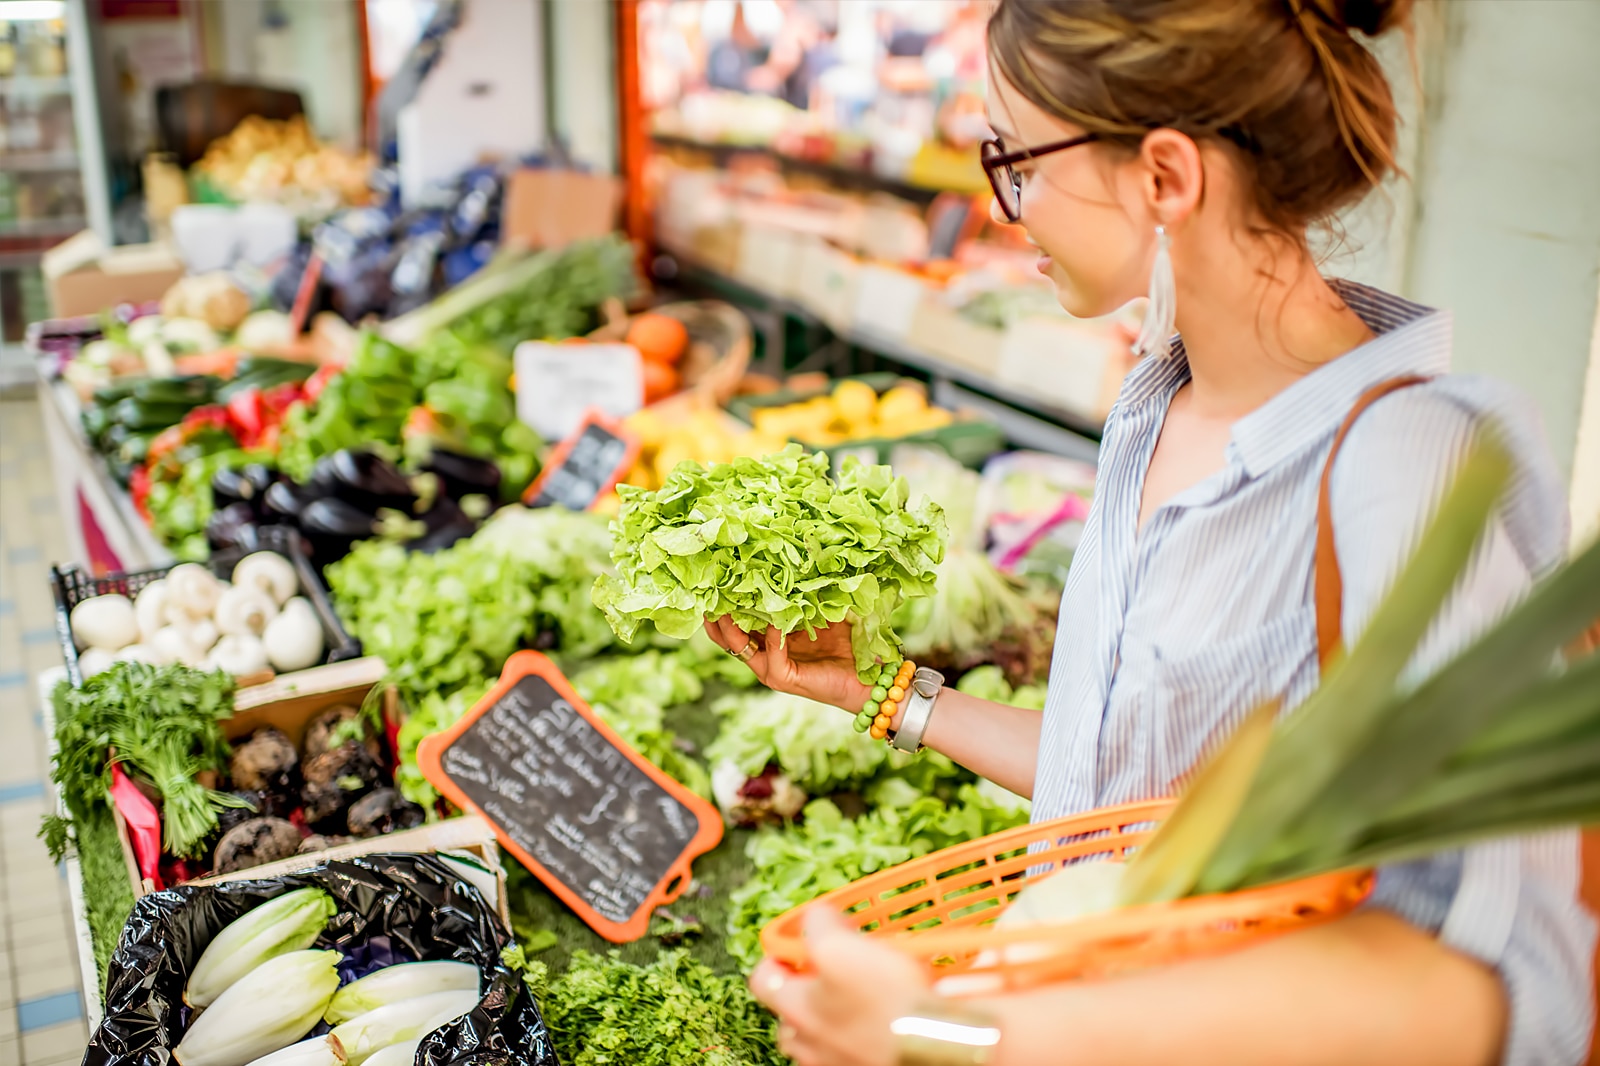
1160 316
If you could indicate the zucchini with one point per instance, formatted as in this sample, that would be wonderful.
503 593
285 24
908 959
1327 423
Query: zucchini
137 415
190 388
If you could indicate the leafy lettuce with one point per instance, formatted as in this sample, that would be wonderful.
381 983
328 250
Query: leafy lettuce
772 542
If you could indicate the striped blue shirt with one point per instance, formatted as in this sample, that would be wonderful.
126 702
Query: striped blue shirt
1169 635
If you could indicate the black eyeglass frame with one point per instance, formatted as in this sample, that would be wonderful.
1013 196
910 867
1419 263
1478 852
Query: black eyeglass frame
994 166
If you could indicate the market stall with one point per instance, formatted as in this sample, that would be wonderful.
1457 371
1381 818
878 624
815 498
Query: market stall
387 724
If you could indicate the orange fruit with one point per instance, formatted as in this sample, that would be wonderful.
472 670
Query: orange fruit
659 338
660 380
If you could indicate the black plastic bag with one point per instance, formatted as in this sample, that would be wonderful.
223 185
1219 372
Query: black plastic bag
392 908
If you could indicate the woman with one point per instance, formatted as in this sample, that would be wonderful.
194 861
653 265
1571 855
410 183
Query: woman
1183 148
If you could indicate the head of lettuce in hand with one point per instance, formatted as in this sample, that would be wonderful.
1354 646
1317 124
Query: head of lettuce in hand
775 546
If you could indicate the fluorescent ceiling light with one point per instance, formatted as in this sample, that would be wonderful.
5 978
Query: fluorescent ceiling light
31 10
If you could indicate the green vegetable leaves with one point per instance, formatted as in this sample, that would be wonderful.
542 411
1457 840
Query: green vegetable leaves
162 723
829 851
452 618
604 1011
772 542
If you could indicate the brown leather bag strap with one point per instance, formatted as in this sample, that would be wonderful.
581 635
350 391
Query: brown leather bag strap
1329 584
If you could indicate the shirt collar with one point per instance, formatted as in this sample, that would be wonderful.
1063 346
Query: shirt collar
1411 339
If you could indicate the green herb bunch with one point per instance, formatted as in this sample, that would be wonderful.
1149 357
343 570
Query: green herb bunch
772 542
163 724
604 1011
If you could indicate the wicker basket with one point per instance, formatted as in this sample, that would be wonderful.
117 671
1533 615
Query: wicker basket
720 341
939 909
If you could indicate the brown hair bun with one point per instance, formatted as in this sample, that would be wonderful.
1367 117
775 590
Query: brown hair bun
1304 106
1373 18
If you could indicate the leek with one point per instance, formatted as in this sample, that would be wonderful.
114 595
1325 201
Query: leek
395 983
292 922
268 1009
395 1023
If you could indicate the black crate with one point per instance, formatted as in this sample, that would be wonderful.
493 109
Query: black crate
72 586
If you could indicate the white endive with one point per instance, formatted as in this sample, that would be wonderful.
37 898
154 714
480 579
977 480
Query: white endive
269 1008
318 1051
396 1054
291 922
410 1019
395 983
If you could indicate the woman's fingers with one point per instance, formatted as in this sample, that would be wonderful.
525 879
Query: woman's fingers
714 631
777 654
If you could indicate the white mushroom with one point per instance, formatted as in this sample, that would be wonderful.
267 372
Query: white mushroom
192 589
107 622
270 572
294 638
138 653
94 661
239 655
245 610
174 645
151 608
203 635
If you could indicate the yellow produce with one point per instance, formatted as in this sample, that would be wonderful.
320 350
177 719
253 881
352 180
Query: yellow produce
706 436
855 402
853 411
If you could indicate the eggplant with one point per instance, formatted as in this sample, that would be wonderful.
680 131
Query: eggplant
234 526
246 485
333 781
265 763
254 843
446 524
383 811
333 526
464 475
364 480
284 501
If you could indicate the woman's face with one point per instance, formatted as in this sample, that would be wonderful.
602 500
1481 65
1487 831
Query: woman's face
1082 208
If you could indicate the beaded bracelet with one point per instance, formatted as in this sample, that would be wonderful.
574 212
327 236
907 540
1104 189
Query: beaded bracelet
893 684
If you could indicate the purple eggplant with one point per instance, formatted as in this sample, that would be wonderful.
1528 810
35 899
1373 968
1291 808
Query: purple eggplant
464 475
363 480
234 526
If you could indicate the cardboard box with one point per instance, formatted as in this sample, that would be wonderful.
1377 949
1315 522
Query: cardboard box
85 278
553 208
289 702
946 334
887 300
1072 364
826 281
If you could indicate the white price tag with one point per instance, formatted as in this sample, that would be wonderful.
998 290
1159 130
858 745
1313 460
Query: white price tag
558 383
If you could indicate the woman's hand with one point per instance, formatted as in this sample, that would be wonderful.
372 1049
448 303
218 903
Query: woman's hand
840 1014
822 668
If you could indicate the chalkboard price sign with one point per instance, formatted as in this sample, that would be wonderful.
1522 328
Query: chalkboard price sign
593 819
585 466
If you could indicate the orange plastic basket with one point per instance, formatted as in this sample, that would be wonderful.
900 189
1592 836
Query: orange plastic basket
940 909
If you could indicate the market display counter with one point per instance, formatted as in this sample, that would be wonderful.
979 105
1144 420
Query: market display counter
1024 418
103 531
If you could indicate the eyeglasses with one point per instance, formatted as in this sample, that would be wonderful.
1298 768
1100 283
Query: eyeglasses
997 164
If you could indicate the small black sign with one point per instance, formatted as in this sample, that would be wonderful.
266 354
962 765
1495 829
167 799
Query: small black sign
586 466
605 829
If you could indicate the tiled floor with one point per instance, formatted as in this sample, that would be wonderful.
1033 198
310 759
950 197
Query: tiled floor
41 1010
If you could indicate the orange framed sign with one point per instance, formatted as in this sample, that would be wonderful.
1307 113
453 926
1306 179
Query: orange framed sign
597 822
585 466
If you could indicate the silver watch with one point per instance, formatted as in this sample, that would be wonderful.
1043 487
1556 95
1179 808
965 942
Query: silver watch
926 685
